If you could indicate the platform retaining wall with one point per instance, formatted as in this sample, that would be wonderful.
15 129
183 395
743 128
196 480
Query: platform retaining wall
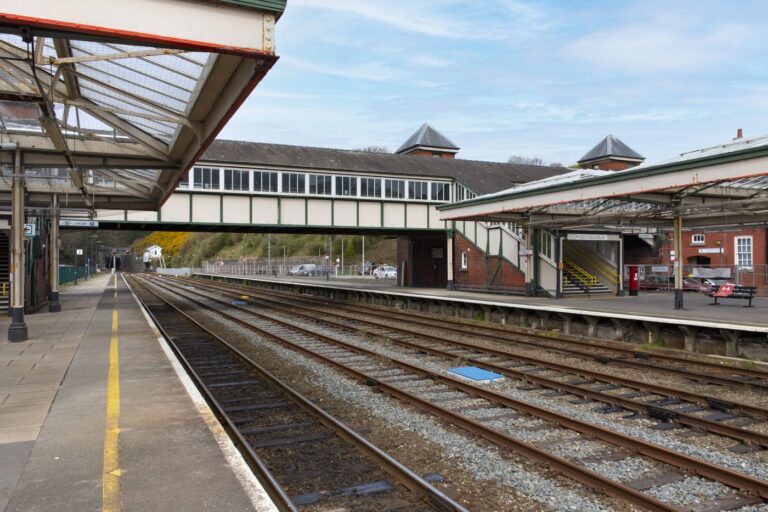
649 333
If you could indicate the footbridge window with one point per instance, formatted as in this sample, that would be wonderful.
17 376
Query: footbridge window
293 183
346 186
320 185
264 181
236 180
370 187
441 192
394 189
206 178
418 190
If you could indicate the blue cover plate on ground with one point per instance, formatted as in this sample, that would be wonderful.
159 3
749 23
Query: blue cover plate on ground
475 373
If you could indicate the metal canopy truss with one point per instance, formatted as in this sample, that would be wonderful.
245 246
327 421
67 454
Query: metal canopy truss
721 186
114 106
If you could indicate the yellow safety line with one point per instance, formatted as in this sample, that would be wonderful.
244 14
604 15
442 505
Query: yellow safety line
111 477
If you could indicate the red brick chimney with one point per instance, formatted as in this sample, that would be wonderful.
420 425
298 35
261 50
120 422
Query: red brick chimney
739 134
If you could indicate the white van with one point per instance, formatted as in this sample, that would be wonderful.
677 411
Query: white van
308 269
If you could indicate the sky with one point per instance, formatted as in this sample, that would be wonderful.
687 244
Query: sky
514 77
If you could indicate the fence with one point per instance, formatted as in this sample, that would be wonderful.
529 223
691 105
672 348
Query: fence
254 268
186 271
69 273
700 277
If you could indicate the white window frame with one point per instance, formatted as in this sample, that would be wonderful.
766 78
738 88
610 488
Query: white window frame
464 260
737 254
697 239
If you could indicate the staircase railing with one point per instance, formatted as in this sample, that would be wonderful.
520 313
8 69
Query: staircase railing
578 274
606 269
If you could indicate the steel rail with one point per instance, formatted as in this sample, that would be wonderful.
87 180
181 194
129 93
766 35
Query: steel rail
279 497
660 412
433 496
571 339
693 397
703 468
525 337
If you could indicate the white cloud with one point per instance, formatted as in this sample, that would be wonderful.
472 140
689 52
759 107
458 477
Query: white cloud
660 46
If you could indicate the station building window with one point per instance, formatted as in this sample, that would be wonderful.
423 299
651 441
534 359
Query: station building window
464 260
697 239
346 186
743 251
441 192
184 183
418 190
264 181
370 187
293 183
394 189
320 185
206 178
547 244
236 180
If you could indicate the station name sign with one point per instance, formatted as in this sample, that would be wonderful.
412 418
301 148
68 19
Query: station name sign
593 237
78 223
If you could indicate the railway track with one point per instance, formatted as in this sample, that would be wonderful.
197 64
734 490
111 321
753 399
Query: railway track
496 417
670 407
303 456
608 354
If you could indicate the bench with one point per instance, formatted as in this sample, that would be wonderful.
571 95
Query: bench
732 291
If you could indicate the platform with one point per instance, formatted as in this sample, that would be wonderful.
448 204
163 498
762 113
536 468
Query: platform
727 329
94 387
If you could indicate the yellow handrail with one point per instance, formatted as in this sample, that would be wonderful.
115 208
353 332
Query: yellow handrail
579 274
606 269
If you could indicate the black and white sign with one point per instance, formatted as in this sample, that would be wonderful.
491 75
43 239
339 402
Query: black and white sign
79 252
78 223
30 230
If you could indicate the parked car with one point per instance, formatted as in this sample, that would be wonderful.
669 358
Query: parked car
308 269
385 272
657 283
691 284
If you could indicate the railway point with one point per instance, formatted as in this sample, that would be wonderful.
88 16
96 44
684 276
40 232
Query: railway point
555 337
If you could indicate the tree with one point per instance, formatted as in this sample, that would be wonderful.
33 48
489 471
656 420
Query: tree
374 149
525 160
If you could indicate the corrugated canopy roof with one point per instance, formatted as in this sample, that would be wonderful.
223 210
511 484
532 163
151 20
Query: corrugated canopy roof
120 110
722 185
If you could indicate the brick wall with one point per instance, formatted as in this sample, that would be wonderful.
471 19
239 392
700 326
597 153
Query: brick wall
481 270
430 154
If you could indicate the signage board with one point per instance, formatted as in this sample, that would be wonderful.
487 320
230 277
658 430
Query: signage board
710 250
78 223
660 268
526 252
593 237
79 252
30 230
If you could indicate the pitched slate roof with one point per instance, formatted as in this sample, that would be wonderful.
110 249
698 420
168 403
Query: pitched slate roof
611 146
482 177
428 137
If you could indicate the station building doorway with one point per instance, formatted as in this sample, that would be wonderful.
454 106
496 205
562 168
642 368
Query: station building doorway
591 263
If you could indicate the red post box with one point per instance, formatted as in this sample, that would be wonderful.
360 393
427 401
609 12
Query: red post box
634 284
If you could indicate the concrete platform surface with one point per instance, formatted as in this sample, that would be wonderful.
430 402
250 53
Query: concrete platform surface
55 438
658 305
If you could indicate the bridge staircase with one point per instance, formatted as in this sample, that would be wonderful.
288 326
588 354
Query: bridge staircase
5 285
586 272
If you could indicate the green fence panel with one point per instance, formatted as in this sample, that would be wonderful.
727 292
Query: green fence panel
67 273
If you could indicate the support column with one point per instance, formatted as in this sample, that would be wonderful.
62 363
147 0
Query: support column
620 267
54 306
449 260
17 331
530 286
678 261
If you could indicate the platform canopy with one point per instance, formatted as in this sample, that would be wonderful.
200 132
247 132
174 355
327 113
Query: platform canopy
724 185
109 103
